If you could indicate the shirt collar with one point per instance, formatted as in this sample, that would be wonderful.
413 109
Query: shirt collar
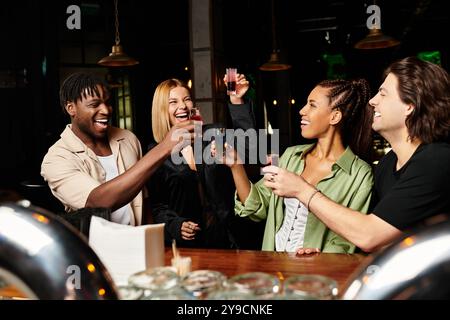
344 162
76 145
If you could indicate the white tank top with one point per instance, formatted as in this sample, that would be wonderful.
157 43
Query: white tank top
121 215
292 233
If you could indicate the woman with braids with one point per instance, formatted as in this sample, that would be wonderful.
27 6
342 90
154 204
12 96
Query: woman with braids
412 112
338 117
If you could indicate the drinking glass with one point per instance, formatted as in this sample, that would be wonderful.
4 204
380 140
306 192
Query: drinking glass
172 294
254 285
231 76
200 283
194 114
273 159
310 287
130 293
155 280
220 140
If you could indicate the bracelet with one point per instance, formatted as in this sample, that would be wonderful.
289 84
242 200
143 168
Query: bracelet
312 196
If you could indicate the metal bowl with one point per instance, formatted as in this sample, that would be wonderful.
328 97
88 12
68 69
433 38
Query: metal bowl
45 258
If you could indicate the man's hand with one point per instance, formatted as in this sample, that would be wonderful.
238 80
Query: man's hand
179 136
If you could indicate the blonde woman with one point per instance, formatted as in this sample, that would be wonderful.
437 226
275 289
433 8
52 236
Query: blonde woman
195 201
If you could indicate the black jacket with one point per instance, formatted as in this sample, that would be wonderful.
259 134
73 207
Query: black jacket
205 196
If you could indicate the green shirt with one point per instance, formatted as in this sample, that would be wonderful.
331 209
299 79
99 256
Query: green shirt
349 184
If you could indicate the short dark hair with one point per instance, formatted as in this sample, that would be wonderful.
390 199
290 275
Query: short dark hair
426 86
77 85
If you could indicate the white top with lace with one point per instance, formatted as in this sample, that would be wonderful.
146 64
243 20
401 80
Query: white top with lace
292 233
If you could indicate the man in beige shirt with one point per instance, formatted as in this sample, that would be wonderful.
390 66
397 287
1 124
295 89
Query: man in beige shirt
96 165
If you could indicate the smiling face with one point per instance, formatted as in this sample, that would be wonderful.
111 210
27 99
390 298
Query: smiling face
317 116
180 103
390 111
90 115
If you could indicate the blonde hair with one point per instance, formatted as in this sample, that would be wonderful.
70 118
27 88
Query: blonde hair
160 108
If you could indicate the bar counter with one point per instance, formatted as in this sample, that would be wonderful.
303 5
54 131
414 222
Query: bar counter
339 267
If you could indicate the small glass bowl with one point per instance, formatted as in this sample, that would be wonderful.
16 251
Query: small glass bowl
310 287
129 293
172 294
155 279
200 283
258 285
230 294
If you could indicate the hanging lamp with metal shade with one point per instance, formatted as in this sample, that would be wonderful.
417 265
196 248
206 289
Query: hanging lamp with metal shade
274 63
376 40
117 57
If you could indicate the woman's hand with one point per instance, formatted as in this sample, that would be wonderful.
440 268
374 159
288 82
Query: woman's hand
188 230
230 157
283 183
242 86
303 251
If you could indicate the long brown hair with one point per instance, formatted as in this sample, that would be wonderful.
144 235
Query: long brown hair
427 87
352 99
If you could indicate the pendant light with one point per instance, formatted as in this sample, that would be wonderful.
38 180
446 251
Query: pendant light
375 39
274 63
117 57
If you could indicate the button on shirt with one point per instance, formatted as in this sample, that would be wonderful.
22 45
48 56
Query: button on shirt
292 232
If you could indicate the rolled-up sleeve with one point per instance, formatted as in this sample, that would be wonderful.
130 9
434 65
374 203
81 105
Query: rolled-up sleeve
335 243
256 204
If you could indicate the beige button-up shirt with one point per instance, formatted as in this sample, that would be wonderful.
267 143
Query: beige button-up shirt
72 170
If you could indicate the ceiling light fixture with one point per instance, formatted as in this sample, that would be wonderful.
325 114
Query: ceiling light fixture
274 63
117 57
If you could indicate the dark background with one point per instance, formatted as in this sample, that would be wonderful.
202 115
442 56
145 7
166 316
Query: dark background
38 51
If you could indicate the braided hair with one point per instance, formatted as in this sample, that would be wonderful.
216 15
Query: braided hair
352 99
78 85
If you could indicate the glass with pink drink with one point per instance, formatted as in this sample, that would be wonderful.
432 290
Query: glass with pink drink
231 76
194 114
